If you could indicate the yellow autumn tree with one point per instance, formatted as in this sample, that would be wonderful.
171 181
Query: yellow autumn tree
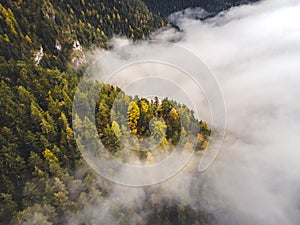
133 116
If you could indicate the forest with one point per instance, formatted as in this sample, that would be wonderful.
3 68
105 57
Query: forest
167 7
41 63
38 150
26 26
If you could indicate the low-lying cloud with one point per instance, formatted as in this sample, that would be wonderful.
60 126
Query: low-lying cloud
254 53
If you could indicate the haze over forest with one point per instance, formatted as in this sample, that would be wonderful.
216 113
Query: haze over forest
251 49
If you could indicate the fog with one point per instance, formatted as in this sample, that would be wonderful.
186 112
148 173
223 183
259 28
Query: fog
254 53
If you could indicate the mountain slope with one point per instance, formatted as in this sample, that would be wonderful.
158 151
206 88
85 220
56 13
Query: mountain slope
38 154
47 31
53 33
165 7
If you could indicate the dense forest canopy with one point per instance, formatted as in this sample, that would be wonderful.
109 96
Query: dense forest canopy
56 26
41 41
38 150
53 33
165 7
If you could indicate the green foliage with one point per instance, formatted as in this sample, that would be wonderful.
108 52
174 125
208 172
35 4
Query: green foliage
37 214
170 212
126 120
34 145
26 26
38 153
166 7
7 207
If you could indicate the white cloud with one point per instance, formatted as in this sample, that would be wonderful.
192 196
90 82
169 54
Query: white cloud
254 52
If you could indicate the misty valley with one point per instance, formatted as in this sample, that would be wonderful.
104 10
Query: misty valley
82 147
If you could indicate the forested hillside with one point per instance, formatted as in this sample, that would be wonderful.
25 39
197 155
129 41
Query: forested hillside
39 156
47 31
41 41
166 7
54 33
